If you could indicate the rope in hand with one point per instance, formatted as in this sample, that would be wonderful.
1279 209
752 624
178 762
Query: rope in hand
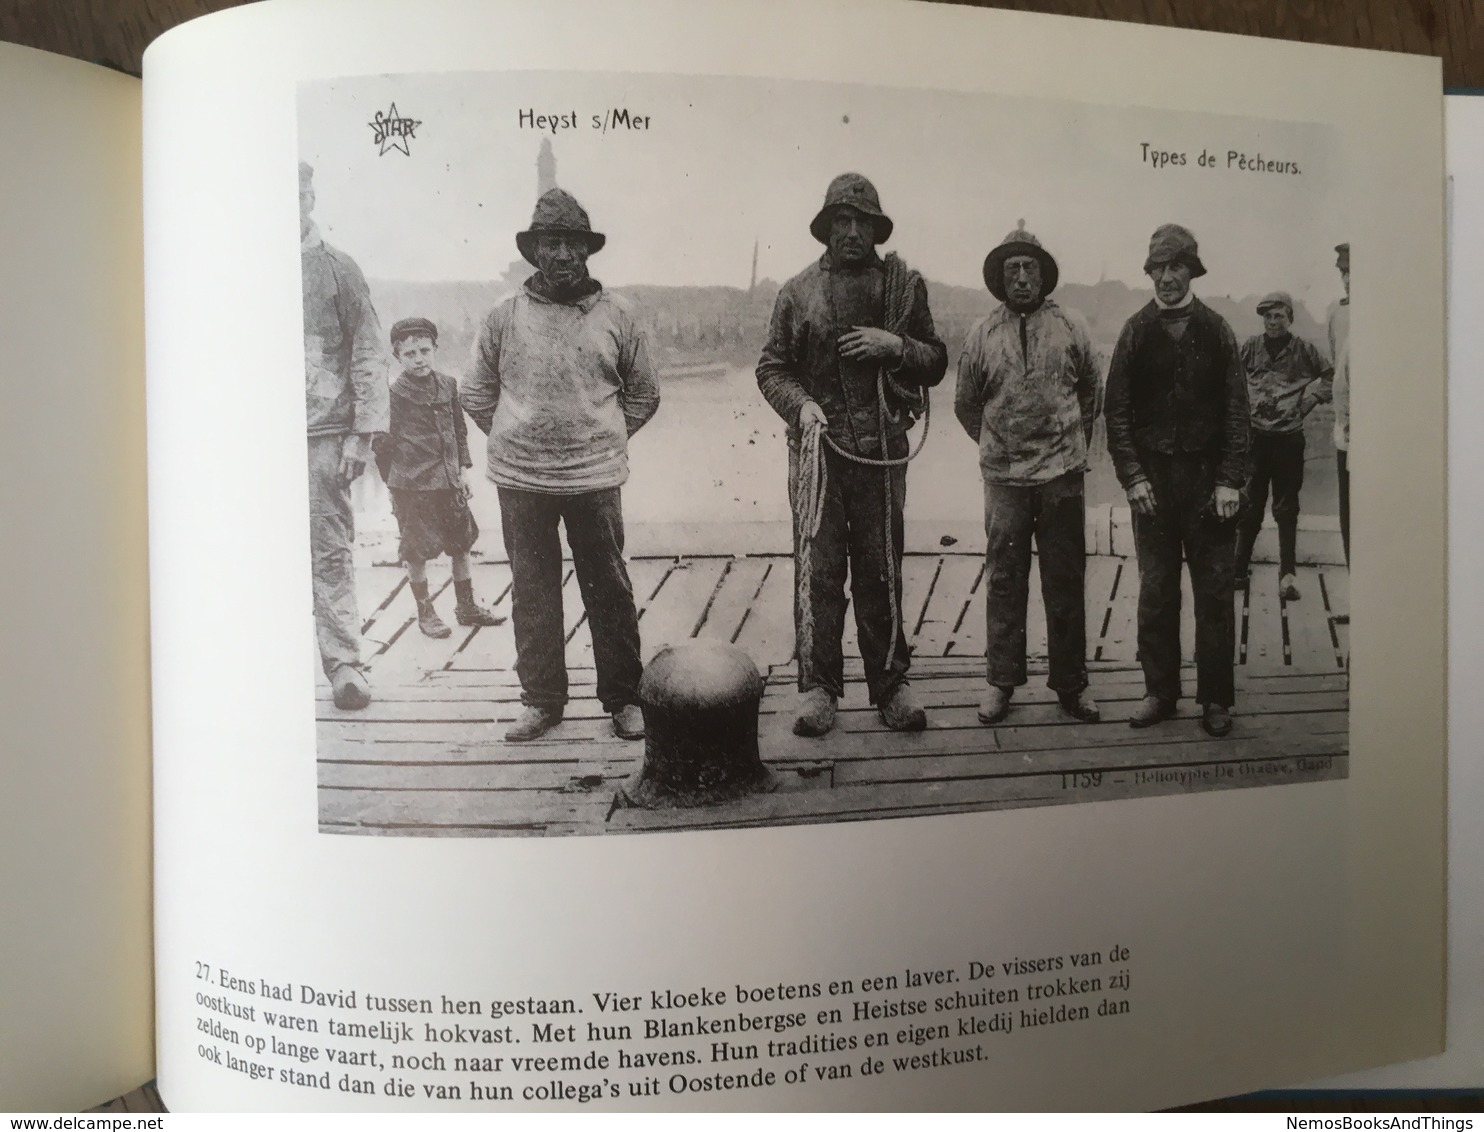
900 289
808 511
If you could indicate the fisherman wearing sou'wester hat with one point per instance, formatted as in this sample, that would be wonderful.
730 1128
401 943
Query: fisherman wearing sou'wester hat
1178 433
1287 376
830 343
561 378
1028 393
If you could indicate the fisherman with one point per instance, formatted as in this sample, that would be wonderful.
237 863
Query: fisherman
422 459
851 349
1339 350
1178 433
346 394
561 379
1286 377
1028 391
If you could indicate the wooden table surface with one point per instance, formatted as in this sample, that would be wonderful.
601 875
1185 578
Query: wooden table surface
117 31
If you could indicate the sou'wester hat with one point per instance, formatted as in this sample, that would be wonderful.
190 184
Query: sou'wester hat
557 212
1276 299
1173 244
1016 243
850 190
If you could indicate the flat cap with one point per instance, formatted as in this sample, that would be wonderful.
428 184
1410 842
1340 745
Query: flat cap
414 328
1276 299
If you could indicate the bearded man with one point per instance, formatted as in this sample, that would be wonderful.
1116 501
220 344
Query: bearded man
851 351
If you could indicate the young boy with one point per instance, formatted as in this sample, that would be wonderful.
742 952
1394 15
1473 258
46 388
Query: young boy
422 458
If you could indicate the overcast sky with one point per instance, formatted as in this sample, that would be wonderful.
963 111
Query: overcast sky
726 161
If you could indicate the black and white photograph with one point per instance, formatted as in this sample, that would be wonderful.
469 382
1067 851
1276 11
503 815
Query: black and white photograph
690 452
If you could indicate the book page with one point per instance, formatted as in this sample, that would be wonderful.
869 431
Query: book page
1462 1065
75 961
1064 778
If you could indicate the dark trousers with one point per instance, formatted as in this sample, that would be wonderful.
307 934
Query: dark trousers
1342 467
1185 524
852 539
594 522
1052 512
1277 461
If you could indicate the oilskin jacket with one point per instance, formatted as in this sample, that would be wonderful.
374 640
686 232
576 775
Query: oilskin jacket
801 360
1028 392
1282 389
344 368
1185 397
428 445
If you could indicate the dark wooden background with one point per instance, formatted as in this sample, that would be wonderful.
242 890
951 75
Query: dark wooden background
117 31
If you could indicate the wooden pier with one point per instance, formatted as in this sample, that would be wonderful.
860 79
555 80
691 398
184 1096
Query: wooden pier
427 758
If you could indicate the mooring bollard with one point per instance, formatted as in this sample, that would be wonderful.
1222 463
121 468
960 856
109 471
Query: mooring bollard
700 702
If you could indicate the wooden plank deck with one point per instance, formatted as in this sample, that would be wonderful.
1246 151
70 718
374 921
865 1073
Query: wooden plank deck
427 758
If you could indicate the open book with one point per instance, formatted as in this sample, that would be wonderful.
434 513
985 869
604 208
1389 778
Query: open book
626 686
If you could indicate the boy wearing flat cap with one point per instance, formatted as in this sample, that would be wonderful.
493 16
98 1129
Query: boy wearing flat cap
1178 432
1286 377
422 459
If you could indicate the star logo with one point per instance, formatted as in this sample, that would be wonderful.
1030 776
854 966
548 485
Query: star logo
392 131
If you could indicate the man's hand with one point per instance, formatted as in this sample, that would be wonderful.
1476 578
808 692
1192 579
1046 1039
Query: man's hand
868 344
1141 499
1226 502
809 413
354 454
464 489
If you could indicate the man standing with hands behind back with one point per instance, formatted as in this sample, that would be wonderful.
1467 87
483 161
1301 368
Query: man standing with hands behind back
1178 432
561 380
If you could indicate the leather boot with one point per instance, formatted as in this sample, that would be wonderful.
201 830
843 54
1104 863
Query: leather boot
472 613
430 623
628 722
995 705
1080 705
534 722
901 712
1216 721
1151 710
352 691
817 715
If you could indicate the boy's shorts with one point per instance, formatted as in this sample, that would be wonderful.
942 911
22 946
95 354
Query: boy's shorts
433 523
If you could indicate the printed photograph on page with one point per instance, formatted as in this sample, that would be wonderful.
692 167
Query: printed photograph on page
694 453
